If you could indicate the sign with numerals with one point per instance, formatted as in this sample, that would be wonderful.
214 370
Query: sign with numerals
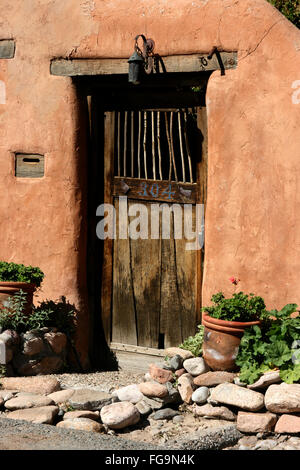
155 190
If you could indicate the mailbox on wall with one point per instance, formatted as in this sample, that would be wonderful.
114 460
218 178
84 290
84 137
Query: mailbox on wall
29 165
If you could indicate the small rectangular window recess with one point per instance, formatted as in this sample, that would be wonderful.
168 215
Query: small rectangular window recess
29 165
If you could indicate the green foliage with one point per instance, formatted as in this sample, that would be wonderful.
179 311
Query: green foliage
12 315
19 273
48 314
194 343
240 307
3 371
271 346
289 8
61 314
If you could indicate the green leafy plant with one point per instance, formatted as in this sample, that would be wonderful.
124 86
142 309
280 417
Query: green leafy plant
240 307
13 316
289 8
271 346
60 314
194 343
12 272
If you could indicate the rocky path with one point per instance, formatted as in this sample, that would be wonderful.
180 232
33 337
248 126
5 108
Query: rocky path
181 406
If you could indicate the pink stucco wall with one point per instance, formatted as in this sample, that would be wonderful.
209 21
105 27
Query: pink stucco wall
253 207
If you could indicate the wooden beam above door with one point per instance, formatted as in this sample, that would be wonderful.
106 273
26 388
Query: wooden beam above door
172 64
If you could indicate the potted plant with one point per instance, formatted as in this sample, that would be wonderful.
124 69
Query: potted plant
15 277
224 325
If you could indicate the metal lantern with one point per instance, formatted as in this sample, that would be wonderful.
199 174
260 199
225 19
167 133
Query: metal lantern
136 65
141 60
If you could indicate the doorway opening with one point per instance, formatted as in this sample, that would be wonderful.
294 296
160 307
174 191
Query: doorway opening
148 144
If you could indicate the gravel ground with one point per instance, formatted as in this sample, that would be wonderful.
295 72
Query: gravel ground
104 381
22 435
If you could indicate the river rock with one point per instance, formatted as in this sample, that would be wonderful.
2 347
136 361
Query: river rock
238 382
129 393
200 395
62 396
186 387
160 375
265 380
283 398
165 413
6 395
81 424
143 408
57 341
214 412
171 352
176 362
180 372
231 394
33 346
86 399
153 403
39 385
42 415
195 366
288 424
153 390
31 401
213 378
173 394
82 414
120 415
47 365
256 422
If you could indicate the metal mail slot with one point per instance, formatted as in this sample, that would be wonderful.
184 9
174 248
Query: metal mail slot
29 166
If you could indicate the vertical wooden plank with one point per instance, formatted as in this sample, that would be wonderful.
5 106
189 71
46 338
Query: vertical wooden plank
124 328
107 273
201 174
145 272
186 265
170 306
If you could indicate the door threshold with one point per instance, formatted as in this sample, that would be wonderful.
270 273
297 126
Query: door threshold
137 358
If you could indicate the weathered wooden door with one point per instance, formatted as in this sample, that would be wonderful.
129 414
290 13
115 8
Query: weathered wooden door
151 159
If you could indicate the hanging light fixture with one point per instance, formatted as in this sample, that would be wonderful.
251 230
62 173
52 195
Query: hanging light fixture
141 61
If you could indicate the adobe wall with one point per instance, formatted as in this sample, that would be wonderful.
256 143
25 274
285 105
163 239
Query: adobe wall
252 218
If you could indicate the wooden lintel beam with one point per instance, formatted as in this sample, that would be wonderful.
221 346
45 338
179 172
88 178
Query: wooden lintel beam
7 48
172 64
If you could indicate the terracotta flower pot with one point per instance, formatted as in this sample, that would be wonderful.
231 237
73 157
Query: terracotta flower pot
8 289
221 341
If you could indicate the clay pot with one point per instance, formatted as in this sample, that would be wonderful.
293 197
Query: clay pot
8 289
221 341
